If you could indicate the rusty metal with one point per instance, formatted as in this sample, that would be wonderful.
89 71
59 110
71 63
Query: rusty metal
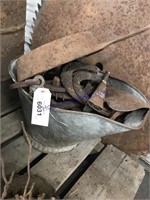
79 66
133 142
33 84
55 54
63 96
56 81
67 78
37 79
72 65
128 61
98 97
25 83
62 51
53 88
115 115
123 101
106 21
67 128
84 93
12 33
57 90
105 112
12 20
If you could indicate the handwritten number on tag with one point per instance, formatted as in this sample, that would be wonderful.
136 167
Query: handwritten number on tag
41 107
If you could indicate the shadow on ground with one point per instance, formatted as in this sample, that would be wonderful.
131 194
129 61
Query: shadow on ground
143 192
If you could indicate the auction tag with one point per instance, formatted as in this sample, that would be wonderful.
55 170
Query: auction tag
41 107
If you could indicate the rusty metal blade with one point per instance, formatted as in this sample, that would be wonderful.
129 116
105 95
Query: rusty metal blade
55 53
62 51
123 101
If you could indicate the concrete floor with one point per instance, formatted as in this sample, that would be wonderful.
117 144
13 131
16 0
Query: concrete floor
143 192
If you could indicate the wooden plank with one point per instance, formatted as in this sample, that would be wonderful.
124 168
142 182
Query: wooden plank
56 168
125 182
99 181
15 155
10 109
99 147
94 179
11 125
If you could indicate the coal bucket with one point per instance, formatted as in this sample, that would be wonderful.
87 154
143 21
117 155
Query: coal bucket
68 128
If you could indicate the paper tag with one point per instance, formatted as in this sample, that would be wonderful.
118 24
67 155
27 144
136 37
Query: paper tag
41 107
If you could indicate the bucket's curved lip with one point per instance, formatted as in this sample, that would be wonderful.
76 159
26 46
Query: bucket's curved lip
109 120
11 69
11 72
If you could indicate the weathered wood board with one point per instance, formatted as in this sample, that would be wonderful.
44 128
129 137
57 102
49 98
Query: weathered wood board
113 175
11 125
56 168
125 182
15 155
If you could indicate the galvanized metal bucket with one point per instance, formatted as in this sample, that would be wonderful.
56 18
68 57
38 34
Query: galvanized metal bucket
68 128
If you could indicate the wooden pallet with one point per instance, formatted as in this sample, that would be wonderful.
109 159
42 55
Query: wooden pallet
90 171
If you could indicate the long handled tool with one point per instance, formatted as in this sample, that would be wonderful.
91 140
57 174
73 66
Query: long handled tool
62 51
